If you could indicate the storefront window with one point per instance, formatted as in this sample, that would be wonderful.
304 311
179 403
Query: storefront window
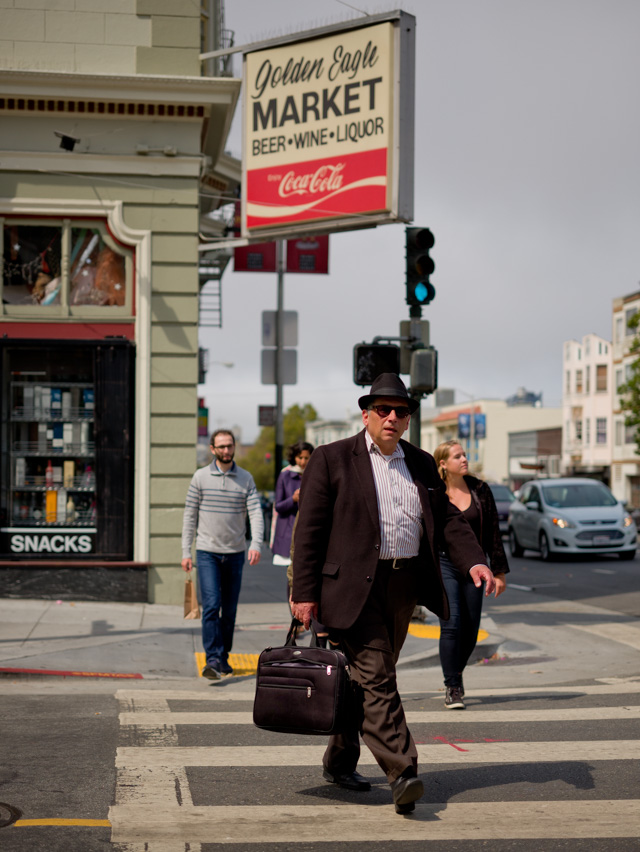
65 459
63 268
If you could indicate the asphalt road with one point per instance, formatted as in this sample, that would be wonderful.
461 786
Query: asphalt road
604 581
544 758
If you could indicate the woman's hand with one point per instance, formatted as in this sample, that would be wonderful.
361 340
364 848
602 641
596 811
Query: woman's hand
296 495
501 584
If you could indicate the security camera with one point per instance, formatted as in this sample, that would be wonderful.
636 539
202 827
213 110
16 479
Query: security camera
67 142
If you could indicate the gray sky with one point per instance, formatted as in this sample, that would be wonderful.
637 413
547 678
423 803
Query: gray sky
526 170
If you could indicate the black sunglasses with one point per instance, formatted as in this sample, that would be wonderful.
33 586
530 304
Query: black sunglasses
385 410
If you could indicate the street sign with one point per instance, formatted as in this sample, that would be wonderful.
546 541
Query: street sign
308 254
259 257
289 328
289 366
266 415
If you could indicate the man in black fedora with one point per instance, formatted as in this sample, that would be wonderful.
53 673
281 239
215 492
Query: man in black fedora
373 516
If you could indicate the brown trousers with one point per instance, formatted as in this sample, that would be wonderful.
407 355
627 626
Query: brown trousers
372 646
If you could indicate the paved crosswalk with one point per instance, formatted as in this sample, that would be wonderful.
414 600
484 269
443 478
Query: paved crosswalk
550 753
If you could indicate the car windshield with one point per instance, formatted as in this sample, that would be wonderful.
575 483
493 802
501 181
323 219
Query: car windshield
578 494
502 492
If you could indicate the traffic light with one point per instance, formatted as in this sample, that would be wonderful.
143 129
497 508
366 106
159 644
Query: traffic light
424 370
420 265
371 359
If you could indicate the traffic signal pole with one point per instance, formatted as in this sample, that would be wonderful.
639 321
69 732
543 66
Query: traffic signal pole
415 313
279 448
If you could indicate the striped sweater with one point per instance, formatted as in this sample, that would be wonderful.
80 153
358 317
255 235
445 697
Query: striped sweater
216 511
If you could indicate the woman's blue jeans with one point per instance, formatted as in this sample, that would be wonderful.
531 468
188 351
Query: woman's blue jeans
458 635
219 578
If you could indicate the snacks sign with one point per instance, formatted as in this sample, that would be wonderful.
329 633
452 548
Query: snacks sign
322 142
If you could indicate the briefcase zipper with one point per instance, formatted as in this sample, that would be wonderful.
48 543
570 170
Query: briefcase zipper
286 686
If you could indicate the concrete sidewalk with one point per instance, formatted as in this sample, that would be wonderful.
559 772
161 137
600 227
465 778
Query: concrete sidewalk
154 641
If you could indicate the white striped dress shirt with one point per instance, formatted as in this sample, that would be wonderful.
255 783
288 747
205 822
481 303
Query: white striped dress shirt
398 503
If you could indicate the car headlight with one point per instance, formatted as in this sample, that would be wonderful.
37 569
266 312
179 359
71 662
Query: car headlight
562 523
628 520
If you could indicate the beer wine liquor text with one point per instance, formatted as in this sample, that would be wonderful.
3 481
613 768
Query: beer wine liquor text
318 128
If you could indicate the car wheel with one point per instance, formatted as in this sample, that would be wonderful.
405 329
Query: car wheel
627 555
514 546
545 551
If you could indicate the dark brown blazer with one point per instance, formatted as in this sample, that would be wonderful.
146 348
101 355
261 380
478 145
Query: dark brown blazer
337 538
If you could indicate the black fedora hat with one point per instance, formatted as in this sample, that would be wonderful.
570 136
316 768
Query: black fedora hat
388 384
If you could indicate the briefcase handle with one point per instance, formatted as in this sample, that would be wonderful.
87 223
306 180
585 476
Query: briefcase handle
315 642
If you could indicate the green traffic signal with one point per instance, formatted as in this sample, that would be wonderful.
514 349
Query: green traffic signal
420 265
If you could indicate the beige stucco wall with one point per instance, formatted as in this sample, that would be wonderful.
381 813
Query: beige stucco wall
100 36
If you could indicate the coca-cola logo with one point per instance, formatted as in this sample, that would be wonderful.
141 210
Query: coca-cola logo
326 178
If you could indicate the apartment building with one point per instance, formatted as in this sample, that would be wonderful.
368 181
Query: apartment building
625 465
587 408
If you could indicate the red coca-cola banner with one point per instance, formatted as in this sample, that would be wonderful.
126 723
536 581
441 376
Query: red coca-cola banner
317 189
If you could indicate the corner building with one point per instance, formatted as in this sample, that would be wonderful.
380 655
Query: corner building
111 152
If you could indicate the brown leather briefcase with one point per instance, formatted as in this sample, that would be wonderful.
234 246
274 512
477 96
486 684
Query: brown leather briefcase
303 690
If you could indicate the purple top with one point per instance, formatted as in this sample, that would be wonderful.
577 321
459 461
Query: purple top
287 509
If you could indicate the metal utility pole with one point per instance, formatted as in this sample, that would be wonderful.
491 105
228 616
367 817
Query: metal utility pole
279 449
415 313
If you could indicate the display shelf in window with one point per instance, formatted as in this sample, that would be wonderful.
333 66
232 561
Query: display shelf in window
52 452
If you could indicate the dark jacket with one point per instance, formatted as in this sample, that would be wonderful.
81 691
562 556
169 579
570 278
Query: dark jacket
337 540
287 509
490 537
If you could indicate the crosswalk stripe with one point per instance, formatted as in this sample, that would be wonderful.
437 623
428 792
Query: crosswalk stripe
626 634
496 717
226 691
148 759
295 824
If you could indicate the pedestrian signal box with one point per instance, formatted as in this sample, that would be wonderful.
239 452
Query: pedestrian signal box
371 359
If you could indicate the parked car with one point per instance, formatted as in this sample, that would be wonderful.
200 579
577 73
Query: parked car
504 497
555 516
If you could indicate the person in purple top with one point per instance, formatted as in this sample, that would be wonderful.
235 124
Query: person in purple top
286 503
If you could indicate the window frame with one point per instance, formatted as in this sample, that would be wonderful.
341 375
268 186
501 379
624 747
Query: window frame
601 370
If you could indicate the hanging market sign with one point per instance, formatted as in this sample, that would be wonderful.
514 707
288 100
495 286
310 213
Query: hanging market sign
328 129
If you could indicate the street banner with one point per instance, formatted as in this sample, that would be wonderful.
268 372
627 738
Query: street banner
480 426
464 425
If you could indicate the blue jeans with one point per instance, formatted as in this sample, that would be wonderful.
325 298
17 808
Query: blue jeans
458 635
219 577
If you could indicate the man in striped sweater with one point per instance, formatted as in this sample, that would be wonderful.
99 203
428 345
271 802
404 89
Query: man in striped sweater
219 499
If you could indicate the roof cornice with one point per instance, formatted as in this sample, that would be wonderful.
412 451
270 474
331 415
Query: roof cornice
153 87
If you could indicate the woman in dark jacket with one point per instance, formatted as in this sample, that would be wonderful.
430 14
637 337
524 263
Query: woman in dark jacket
459 634
286 501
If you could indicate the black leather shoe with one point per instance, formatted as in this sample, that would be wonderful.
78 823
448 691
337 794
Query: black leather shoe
406 809
405 792
350 780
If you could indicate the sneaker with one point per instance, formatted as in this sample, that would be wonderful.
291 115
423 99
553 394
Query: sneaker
453 699
211 673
